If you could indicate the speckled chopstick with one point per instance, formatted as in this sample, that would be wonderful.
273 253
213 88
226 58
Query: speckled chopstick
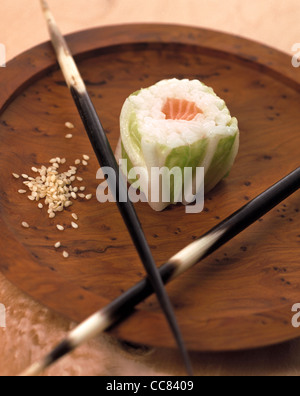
123 306
106 158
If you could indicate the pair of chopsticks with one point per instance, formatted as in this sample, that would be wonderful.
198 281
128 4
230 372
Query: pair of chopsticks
106 158
185 259
123 306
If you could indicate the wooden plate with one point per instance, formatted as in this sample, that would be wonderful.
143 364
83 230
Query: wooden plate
241 297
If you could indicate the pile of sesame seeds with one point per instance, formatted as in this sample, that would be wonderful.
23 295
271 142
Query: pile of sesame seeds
56 188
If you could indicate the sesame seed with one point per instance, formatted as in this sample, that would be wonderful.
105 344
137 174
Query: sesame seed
74 225
25 225
86 157
66 254
89 196
69 136
69 125
85 163
54 187
57 245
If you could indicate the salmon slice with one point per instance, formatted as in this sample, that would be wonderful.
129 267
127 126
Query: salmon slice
180 109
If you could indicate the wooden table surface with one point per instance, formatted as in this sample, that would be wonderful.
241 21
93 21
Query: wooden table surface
31 329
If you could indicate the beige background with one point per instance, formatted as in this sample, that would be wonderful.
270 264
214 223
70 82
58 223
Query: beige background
31 329
273 22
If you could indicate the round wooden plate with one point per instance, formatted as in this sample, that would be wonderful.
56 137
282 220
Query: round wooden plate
240 297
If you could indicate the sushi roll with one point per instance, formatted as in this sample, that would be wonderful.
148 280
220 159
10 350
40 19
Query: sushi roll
177 124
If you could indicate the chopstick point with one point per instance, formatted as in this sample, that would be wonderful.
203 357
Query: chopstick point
181 262
106 157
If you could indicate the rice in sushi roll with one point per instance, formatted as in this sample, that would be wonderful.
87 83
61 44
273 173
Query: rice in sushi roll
182 124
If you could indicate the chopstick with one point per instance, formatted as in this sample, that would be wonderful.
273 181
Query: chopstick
106 158
123 306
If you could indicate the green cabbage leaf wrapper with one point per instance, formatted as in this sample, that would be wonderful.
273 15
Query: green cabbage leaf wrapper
216 154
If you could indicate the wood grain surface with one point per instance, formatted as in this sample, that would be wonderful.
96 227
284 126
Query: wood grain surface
31 328
242 296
